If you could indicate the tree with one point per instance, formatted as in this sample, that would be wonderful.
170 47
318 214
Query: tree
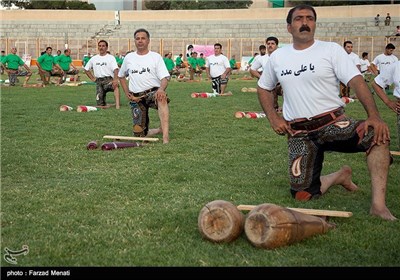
347 3
158 5
55 5
197 4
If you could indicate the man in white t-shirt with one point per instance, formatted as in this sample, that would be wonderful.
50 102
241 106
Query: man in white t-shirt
365 66
105 74
256 66
218 69
348 47
148 80
383 80
383 61
260 62
313 115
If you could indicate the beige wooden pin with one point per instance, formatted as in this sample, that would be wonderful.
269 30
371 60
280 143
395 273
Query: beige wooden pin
315 212
395 153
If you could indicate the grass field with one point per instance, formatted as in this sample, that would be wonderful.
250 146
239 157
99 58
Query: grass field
139 206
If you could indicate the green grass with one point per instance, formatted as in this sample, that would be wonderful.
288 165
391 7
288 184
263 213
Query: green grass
139 206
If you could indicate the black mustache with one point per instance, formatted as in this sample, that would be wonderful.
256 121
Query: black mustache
305 28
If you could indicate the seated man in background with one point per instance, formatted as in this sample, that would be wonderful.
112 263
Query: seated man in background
11 64
170 64
194 66
64 61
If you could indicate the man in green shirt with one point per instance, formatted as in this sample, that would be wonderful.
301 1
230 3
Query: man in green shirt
169 63
201 61
119 59
193 66
45 65
11 64
251 61
179 62
85 59
232 62
64 61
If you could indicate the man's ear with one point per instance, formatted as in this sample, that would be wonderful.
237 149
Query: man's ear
289 28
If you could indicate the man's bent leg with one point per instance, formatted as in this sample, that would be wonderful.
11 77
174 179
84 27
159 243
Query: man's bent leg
140 119
117 98
28 76
223 85
305 165
104 86
163 113
340 177
12 77
378 166
215 84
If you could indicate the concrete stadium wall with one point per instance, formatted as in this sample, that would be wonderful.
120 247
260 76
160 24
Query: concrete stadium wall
239 31
247 23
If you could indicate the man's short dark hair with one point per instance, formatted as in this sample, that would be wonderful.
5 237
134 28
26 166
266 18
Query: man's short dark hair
390 46
141 30
103 41
262 47
347 42
364 54
300 7
219 45
272 38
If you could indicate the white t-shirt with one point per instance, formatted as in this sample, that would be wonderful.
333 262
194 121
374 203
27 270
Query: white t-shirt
259 62
364 65
144 71
390 76
355 58
102 65
382 61
309 78
217 64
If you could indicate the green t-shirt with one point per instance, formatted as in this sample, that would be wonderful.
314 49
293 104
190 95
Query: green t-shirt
12 61
178 61
193 62
201 62
85 60
169 63
251 59
64 61
119 60
2 58
46 62
232 62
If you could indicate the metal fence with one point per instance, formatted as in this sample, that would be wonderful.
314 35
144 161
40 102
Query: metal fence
231 46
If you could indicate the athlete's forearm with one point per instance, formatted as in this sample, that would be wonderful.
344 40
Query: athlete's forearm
364 96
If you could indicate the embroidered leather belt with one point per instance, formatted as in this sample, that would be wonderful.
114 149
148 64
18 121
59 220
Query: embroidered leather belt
137 94
103 78
317 122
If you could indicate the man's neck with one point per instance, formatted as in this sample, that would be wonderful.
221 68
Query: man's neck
142 52
303 45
